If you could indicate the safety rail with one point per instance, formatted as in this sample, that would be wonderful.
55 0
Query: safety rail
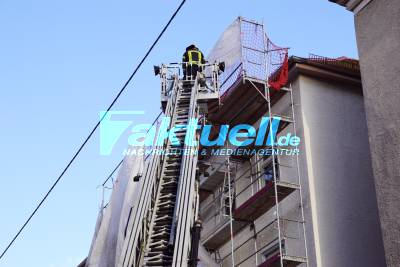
230 77
258 197
213 176
209 75
258 160
234 181
226 260
264 243
256 178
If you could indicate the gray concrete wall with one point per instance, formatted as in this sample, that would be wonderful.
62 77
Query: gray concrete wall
344 209
378 39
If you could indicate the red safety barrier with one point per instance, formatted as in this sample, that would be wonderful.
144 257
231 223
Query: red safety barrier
278 64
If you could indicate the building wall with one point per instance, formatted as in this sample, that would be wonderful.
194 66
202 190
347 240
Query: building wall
340 210
304 176
378 40
344 211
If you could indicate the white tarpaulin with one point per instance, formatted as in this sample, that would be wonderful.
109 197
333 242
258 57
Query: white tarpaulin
228 46
242 47
112 220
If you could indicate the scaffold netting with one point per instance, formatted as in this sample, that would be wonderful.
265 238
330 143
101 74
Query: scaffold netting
248 53
277 65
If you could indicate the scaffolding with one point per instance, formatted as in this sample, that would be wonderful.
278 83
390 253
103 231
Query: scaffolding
161 229
270 185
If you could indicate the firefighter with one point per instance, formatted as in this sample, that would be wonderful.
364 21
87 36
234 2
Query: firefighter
192 58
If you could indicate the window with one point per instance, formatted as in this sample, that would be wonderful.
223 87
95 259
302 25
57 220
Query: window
271 254
269 171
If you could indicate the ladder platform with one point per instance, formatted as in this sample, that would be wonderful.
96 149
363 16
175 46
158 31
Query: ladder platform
207 95
222 233
263 200
213 176
288 261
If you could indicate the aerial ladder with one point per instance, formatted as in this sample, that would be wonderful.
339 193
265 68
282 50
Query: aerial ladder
164 228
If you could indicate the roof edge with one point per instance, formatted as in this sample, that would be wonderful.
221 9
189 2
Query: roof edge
324 71
352 5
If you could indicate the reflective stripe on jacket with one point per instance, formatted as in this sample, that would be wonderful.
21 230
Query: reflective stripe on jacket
194 57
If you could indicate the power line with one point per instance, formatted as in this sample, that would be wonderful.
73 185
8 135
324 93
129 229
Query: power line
112 173
94 129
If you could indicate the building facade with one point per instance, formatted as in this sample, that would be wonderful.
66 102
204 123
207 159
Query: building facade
377 27
297 189
340 211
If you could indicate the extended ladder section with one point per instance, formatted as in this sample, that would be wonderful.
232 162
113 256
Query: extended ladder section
160 246
162 226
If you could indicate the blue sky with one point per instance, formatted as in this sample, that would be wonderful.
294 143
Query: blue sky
62 62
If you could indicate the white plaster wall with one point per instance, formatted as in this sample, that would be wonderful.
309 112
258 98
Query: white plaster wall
340 210
342 194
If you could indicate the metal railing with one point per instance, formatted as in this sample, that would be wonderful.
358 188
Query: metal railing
264 244
208 75
217 205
